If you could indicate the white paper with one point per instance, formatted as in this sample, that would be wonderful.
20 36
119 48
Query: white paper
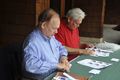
94 63
60 78
67 75
100 52
115 59
95 71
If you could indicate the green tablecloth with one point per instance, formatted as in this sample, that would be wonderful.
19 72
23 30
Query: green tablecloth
109 73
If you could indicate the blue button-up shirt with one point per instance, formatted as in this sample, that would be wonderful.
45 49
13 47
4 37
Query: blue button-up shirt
41 53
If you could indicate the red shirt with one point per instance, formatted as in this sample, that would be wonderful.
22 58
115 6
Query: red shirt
68 37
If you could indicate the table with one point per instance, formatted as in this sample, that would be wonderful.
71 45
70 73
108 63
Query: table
109 73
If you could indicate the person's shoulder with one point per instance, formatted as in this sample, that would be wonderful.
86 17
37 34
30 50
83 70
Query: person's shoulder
33 35
63 23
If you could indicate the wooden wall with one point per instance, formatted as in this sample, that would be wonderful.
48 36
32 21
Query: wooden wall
92 25
18 18
40 6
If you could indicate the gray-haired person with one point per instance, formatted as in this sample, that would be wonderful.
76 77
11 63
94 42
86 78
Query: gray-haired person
68 33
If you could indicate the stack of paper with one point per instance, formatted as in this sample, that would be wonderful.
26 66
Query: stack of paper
94 63
100 52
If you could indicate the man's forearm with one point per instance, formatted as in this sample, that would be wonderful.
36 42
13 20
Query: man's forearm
72 50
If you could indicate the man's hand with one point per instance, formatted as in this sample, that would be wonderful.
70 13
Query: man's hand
64 60
64 64
64 67
90 45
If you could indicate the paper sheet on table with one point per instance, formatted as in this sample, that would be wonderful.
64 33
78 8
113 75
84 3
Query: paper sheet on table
95 71
100 52
115 60
94 63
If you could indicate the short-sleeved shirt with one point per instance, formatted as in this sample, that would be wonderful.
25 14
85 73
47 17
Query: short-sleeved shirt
68 37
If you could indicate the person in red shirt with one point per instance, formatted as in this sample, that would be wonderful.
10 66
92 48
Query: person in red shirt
68 33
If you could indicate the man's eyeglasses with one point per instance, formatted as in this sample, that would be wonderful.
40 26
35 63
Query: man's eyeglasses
76 24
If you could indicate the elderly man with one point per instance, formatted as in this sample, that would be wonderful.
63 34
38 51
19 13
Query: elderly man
42 53
68 33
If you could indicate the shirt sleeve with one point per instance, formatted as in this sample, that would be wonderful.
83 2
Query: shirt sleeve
62 49
33 61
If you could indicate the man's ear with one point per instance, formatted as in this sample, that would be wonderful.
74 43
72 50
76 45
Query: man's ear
68 19
43 25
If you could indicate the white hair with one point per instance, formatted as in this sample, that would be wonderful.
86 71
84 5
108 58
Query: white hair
76 13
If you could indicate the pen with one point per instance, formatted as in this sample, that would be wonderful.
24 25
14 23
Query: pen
90 77
67 75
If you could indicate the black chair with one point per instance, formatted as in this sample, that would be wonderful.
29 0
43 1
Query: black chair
13 54
11 61
5 68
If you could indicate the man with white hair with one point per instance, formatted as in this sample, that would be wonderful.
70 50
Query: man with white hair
68 33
